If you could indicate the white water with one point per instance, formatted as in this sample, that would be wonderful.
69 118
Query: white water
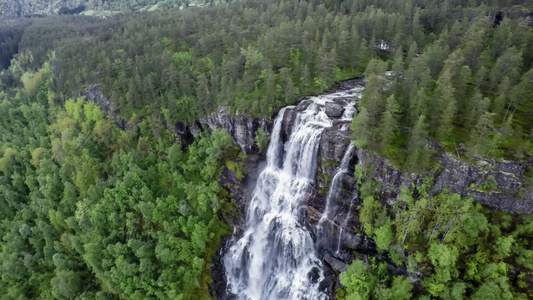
327 220
344 222
275 257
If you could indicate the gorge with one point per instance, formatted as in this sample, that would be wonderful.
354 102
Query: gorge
301 227
324 207
275 257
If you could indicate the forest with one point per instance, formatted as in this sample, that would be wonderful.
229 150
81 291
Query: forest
90 211
39 8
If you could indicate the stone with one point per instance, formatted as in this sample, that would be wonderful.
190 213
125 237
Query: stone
351 240
303 105
287 123
334 110
335 264
242 128
312 213
333 144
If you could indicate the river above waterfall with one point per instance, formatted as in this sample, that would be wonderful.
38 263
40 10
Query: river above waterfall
276 256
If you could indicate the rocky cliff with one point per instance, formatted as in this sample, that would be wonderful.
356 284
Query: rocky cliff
508 192
242 128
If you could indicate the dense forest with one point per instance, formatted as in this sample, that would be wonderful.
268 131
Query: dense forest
461 249
24 8
90 211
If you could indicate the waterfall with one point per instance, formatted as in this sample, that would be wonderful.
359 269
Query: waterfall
344 222
275 256
326 224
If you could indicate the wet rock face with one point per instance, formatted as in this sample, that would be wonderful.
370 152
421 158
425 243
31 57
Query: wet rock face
333 144
288 122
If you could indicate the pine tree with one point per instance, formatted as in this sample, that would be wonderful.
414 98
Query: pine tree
480 137
373 99
417 148
361 129
444 108
398 68
419 104
389 123
412 53
446 122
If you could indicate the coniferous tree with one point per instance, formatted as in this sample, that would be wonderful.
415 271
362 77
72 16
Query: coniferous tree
418 152
389 123
481 138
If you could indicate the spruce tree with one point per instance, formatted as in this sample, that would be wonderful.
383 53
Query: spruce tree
417 148
389 123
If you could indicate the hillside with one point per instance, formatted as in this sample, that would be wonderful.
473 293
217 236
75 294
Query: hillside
267 149
21 8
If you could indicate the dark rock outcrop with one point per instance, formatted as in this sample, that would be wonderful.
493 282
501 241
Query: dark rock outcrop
461 178
336 264
334 110
333 144
242 128
94 94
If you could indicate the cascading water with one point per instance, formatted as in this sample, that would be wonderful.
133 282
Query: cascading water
326 223
275 257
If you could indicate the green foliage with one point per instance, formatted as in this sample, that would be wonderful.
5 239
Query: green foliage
361 282
236 168
443 259
384 236
451 88
262 138
96 214
90 211
251 68
370 211
31 82
489 184
358 281
401 288
462 249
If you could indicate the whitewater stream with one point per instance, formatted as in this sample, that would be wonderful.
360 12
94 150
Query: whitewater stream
275 257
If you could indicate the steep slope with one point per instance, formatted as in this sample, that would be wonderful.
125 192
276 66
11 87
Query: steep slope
20 8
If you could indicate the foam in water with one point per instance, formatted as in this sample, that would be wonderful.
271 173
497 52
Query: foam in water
275 257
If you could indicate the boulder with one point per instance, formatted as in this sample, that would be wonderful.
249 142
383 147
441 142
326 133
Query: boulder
303 105
336 264
312 213
334 110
